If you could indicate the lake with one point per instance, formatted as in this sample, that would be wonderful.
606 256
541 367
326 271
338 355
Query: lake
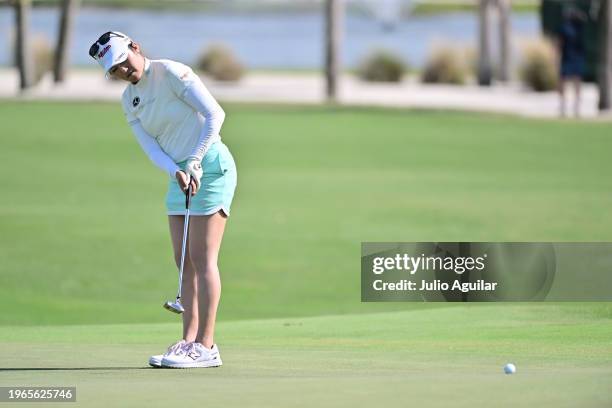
272 40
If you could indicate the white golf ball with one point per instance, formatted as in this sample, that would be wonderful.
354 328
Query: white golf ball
509 368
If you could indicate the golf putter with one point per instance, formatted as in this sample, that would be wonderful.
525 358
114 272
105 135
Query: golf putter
176 306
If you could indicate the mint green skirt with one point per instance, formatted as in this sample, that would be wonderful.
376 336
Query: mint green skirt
218 185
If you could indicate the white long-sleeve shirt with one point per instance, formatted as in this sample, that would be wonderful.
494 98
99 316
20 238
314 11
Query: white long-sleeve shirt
172 114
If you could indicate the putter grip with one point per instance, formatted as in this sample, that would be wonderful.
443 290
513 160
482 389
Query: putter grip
188 195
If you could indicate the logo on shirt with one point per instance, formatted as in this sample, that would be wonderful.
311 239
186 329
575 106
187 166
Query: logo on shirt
135 101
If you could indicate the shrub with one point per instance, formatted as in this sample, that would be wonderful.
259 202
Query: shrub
471 61
41 53
42 57
446 65
538 69
382 66
220 62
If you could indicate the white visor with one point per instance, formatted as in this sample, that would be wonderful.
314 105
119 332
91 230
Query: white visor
114 52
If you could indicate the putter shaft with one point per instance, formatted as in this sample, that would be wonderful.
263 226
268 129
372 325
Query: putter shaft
176 307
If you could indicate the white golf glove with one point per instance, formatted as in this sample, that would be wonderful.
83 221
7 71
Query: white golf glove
194 169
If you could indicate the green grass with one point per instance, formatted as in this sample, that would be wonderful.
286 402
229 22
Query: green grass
429 358
86 260
84 233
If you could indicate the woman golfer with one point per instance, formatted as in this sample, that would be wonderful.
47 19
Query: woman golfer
177 123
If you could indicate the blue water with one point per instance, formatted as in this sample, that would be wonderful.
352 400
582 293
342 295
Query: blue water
290 40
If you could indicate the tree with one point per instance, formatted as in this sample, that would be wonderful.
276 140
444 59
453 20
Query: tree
503 6
23 55
484 52
69 8
604 64
334 10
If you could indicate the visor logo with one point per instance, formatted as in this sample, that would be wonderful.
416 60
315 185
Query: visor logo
104 51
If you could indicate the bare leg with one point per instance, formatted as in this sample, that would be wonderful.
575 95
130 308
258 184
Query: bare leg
204 244
562 97
189 296
577 85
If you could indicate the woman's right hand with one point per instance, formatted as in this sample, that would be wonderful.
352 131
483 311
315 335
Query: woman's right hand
183 181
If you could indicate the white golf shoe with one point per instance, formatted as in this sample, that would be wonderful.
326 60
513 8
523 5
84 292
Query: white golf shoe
156 361
193 355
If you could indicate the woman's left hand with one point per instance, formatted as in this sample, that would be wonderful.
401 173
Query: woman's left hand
194 169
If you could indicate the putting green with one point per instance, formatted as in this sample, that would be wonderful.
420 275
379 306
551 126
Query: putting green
435 358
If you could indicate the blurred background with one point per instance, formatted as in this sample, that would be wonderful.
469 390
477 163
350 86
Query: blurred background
318 50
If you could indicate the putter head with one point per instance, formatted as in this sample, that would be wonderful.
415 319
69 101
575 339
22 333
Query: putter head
174 307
